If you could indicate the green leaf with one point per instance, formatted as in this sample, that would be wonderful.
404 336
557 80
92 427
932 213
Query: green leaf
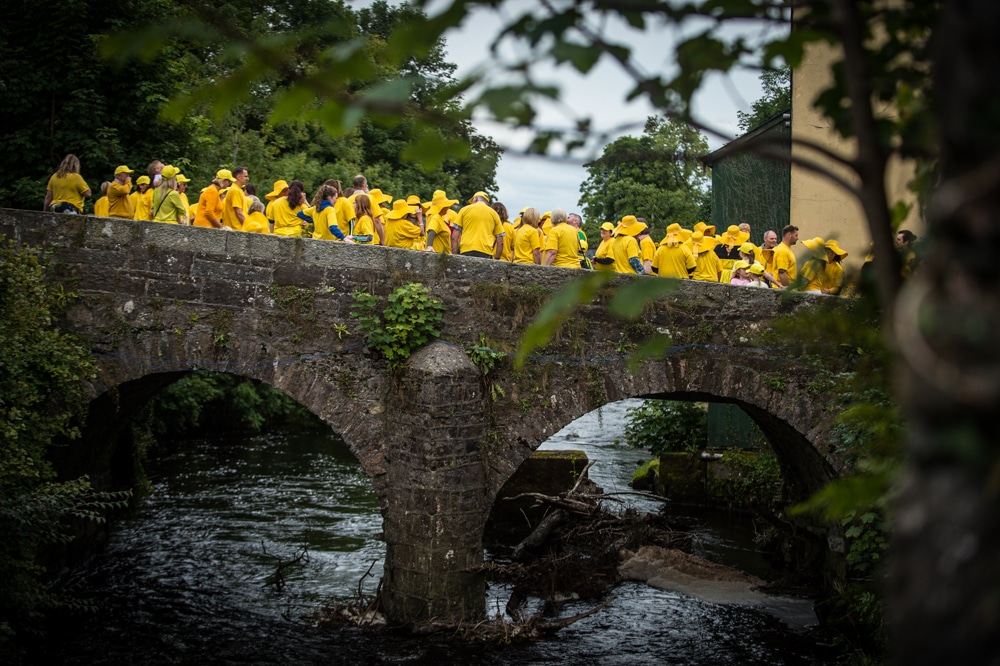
583 58
555 311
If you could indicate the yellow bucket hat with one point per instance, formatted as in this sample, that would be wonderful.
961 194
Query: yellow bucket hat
378 198
734 236
699 242
834 247
400 209
279 187
814 245
706 229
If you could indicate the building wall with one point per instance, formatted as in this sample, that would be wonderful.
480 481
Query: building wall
819 207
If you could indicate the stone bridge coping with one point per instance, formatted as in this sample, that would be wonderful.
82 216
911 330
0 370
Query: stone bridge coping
438 437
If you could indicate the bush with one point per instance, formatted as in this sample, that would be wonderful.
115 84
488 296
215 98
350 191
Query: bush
43 400
663 426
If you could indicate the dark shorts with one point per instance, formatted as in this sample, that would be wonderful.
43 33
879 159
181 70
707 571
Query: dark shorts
64 207
476 253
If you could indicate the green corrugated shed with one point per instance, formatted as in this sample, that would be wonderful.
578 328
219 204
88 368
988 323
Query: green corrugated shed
748 187
730 427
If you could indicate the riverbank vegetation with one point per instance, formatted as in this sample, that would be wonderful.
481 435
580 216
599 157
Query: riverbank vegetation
43 399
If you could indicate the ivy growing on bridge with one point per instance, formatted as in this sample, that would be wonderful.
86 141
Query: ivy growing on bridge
407 322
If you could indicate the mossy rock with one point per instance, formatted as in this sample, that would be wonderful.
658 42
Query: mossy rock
681 477
647 477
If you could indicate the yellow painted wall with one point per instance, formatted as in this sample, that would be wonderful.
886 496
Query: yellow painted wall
818 206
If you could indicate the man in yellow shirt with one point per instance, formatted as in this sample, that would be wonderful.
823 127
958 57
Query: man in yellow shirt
479 231
235 205
119 194
784 259
562 246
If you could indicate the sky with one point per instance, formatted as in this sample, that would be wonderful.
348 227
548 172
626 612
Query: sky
548 183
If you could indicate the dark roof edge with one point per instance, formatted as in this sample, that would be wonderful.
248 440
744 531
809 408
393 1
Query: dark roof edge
742 142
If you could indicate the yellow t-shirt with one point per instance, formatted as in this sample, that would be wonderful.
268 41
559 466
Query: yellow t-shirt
68 189
401 233
235 198
604 252
120 200
624 248
673 262
143 204
364 226
101 206
563 239
286 222
256 223
784 259
480 226
526 241
208 203
507 254
707 267
442 233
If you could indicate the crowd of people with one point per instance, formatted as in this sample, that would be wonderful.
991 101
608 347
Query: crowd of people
481 228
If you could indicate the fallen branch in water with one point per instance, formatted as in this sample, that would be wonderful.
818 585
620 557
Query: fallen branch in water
277 579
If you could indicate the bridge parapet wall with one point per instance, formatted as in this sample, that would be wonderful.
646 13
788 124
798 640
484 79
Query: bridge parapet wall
157 300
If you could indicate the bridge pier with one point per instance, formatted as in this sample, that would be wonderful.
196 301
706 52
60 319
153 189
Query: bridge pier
435 513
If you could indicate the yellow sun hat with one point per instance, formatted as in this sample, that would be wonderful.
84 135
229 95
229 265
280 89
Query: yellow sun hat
279 187
400 209
734 236
834 247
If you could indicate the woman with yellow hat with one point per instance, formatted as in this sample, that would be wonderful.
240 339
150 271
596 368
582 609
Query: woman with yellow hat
142 199
528 238
604 259
378 199
285 210
437 228
674 259
707 268
727 248
208 212
814 266
279 190
835 256
166 203
400 230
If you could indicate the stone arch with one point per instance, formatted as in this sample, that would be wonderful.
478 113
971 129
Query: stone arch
792 419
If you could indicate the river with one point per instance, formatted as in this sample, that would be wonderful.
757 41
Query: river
184 579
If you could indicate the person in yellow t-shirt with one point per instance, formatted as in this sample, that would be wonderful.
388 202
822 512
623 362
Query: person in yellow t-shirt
507 253
625 251
235 205
528 238
479 232
102 205
364 224
834 267
438 229
279 190
142 199
814 265
66 188
119 194
707 267
256 222
604 259
562 245
182 185
674 259
284 211
208 213
784 258
166 203
401 229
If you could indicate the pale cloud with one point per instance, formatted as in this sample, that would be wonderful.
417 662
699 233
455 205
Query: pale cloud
547 183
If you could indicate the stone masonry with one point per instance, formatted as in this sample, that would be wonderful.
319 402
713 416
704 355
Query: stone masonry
438 438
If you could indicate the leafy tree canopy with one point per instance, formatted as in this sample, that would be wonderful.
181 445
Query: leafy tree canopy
657 176
777 98
63 95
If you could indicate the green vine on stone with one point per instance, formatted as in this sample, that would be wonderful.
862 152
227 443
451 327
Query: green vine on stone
407 322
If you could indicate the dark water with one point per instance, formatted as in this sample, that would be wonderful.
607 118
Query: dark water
185 579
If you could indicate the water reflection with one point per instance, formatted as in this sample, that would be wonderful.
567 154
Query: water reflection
183 580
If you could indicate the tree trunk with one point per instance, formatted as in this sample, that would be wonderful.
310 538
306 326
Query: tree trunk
944 586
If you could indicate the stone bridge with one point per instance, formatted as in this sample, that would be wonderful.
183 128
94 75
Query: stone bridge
437 437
